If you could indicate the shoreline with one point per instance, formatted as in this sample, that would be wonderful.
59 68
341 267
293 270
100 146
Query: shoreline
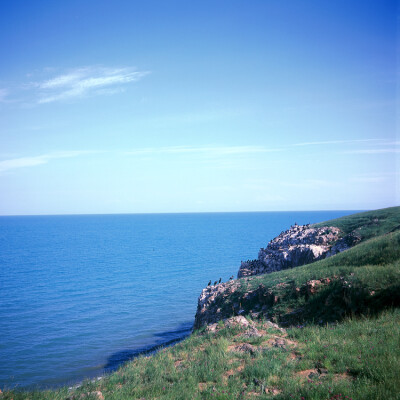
111 366
140 352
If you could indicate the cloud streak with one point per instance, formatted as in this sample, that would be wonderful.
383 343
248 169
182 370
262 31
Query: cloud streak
24 162
3 95
82 82
364 146
336 142
373 151
207 150
220 151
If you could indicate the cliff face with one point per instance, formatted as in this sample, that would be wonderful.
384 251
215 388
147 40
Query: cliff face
256 301
299 245
208 308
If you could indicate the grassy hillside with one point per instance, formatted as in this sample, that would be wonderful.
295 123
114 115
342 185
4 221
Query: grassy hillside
342 336
362 280
357 359
368 224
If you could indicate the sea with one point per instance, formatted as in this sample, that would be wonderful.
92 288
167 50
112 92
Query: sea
82 294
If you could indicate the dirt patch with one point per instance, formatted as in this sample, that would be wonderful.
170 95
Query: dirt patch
343 377
227 375
232 372
178 363
315 373
321 373
280 342
240 368
202 386
273 391
307 373
253 394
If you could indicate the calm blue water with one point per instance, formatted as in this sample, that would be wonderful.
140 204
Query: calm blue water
81 294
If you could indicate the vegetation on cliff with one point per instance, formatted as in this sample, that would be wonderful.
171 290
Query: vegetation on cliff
340 336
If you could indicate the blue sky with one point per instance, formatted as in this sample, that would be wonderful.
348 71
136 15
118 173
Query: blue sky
194 106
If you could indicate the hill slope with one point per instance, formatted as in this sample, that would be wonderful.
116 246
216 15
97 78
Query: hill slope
326 290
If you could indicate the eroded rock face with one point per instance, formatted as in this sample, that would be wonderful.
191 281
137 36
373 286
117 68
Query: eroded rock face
232 322
299 245
216 303
208 311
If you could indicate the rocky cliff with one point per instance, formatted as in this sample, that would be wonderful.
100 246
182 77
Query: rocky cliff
256 301
299 245
296 246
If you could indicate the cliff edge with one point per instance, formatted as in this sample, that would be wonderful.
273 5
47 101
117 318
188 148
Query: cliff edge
299 245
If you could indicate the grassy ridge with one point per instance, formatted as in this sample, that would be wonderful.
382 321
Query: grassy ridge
343 340
368 224
362 280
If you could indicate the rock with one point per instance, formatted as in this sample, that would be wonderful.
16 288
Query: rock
208 311
245 348
313 285
255 315
299 245
251 332
231 323
98 395
238 321
279 343
271 324
212 328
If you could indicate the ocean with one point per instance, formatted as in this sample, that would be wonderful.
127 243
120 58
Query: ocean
81 294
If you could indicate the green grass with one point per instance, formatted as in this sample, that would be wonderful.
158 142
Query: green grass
366 350
363 280
359 357
368 224
348 329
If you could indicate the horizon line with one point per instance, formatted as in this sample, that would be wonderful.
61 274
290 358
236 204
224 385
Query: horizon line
186 212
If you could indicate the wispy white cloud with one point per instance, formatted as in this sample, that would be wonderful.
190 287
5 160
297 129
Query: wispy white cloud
372 151
327 142
3 95
311 183
359 146
22 162
86 81
376 177
368 179
207 150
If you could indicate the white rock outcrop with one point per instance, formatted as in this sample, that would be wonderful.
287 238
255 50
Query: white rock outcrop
299 245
